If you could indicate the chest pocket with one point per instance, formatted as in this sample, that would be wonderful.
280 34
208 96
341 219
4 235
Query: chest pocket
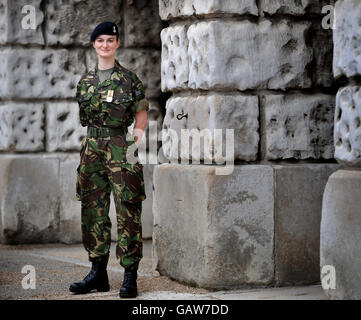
90 102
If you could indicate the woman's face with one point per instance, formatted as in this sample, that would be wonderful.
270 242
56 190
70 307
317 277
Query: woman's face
105 45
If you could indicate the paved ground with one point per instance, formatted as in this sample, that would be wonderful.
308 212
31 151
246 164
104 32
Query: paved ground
57 266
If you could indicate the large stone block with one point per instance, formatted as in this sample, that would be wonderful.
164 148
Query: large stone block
17 19
259 225
298 205
169 9
29 198
175 62
297 126
347 133
347 39
22 127
142 24
214 231
64 131
214 62
341 235
39 73
144 62
70 22
204 115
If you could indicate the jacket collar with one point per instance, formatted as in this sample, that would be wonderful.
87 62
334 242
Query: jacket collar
117 72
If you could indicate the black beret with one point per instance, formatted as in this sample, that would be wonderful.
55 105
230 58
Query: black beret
107 27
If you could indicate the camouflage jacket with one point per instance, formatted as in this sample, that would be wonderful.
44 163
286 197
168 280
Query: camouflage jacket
112 103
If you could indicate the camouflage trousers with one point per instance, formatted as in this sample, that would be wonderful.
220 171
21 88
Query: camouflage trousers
103 170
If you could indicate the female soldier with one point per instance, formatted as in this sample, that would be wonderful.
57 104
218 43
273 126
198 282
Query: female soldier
110 97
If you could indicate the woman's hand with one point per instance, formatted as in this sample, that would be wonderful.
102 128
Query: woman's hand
141 120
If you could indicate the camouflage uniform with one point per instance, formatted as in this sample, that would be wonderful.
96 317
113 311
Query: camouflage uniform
103 166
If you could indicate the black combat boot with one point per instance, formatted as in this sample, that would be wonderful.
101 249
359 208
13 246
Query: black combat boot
97 279
129 286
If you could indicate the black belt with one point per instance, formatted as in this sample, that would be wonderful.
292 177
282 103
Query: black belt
103 132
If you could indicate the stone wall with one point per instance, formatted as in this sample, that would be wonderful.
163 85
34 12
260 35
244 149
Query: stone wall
341 208
264 69
40 133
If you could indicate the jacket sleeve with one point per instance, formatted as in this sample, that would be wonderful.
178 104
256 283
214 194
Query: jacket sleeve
78 96
138 91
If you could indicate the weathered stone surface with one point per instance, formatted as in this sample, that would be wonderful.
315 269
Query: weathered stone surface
29 199
169 9
142 24
293 7
71 22
147 204
37 73
297 221
210 112
16 22
214 231
347 39
322 46
22 127
175 62
215 64
341 233
144 62
297 126
63 129
347 132
69 211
